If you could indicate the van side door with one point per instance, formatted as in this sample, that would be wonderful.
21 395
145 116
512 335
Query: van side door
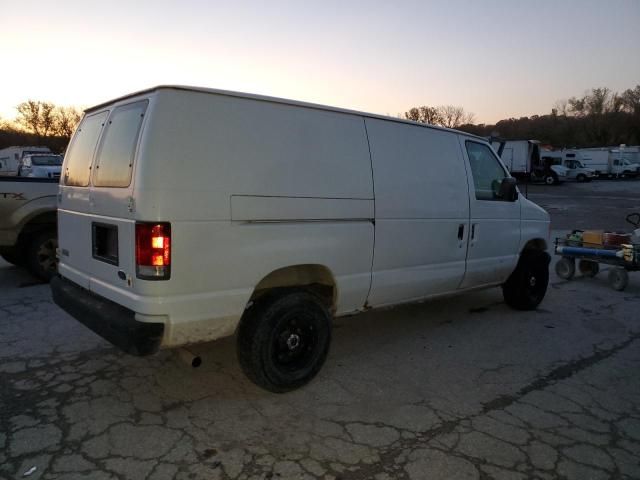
421 212
495 222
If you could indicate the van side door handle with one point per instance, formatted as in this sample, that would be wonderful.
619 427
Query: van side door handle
461 231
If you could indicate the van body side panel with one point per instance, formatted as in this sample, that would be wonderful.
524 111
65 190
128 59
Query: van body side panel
249 187
223 262
252 208
202 148
422 206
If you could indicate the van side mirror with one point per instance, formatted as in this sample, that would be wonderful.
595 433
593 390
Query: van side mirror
508 190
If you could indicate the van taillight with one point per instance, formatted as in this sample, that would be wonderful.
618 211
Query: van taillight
153 251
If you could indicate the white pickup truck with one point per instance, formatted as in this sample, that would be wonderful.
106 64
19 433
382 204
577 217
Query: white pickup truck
28 223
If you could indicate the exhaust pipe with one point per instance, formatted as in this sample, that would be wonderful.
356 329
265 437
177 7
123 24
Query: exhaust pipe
189 357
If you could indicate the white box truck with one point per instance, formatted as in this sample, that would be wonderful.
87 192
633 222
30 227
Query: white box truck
576 170
188 214
606 161
522 159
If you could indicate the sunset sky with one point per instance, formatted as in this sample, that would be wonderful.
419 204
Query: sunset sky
497 59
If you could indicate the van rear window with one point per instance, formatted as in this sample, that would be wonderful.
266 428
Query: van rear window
114 162
80 154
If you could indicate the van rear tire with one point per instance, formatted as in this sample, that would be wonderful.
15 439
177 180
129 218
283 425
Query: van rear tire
283 340
41 255
527 285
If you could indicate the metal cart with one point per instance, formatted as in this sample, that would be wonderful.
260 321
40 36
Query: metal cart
623 258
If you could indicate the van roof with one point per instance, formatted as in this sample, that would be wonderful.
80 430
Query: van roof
286 101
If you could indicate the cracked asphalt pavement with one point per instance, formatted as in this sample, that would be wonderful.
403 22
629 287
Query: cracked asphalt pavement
459 388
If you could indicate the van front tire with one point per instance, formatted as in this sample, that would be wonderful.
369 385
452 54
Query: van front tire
283 340
527 285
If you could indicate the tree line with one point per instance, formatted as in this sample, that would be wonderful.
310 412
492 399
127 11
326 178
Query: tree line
40 123
598 118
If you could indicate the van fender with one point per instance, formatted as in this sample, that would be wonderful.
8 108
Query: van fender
315 278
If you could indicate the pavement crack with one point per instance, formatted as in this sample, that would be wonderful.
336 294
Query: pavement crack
559 373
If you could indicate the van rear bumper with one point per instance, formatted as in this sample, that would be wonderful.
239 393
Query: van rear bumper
111 321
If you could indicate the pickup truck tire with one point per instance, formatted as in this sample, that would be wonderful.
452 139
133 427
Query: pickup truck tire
283 340
41 255
549 179
14 255
581 177
527 285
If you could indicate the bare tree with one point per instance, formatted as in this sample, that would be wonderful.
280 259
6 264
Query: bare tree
36 117
561 107
45 119
445 115
424 114
452 116
631 100
66 120
29 116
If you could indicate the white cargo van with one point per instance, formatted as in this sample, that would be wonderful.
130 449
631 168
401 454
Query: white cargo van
188 214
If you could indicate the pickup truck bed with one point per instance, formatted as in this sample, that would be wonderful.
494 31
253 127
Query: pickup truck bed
28 223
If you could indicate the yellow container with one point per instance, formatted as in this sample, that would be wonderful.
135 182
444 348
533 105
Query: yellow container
592 238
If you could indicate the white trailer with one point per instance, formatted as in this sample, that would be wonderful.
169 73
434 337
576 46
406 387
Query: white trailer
10 157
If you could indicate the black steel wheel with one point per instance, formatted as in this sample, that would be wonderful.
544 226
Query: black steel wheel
41 255
527 285
283 340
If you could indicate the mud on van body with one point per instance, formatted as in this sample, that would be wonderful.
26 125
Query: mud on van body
188 214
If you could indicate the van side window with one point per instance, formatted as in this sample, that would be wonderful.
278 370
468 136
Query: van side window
114 162
80 154
486 170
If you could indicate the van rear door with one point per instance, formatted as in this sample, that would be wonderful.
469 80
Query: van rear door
74 236
111 203
97 222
